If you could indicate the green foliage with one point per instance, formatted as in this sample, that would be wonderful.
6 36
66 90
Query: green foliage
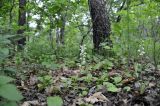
5 80
18 58
9 91
39 52
71 63
51 65
126 41
54 101
110 87
135 41
104 64
44 81
4 50
103 78
127 88
117 79
143 86
138 69
88 78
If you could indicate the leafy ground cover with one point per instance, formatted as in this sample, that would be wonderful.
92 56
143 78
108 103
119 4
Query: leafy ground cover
87 87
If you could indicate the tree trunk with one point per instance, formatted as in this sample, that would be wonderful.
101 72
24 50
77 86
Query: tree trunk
100 23
62 29
22 21
58 36
50 32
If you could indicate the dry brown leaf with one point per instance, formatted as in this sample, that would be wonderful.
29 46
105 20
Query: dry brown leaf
79 101
22 86
96 97
75 72
33 80
28 103
91 99
128 80
52 89
152 84
113 73
25 104
22 83
100 96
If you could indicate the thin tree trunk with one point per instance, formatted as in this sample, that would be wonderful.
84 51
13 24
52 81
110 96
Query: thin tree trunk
100 23
50 32
62 30
22 21
58 36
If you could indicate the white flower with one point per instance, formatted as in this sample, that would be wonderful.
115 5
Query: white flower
83 54
141 48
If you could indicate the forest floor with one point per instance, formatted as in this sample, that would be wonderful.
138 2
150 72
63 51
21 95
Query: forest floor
144 90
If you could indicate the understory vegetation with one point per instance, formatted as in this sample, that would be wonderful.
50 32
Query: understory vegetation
55 53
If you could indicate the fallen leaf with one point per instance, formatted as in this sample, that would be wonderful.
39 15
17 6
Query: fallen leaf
28 103
100 96
113 73
128 80
33 80
152 84
96 97
91 99
25 104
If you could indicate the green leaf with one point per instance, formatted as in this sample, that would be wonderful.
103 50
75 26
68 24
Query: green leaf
10 70
47 77
111 87
107 47
4 41
5 80
50 65
84 93
9 104
4 52
127 88
117 79
10 92
54 101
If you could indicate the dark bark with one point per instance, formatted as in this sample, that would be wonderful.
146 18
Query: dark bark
62 29
57 36
100 22
22 21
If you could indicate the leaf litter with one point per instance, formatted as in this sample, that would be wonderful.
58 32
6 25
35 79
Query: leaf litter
35 97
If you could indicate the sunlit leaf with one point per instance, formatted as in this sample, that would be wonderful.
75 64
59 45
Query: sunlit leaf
54 101
117 79
111 87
